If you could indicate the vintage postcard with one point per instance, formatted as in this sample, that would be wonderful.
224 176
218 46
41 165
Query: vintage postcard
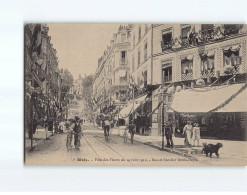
135 94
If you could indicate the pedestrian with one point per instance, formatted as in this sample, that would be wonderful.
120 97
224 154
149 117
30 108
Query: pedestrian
61 126
77 130
50 126
69 138
169 133
106 125
132 130
196 134
187 131
56 126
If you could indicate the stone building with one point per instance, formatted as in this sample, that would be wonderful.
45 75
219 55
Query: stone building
110 84
43 81
194 56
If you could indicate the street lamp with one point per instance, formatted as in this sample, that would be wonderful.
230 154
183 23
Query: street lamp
163 119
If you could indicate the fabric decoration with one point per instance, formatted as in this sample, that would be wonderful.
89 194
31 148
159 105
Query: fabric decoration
178 88
190 57
228 69
200 82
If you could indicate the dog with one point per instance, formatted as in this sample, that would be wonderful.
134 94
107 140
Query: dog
211 148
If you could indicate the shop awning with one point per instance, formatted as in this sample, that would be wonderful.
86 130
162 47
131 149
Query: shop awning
126 111
238 104
203 100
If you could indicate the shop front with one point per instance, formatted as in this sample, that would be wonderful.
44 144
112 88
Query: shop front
137 111
220 111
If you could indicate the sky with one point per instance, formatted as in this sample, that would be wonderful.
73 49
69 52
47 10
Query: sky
80 45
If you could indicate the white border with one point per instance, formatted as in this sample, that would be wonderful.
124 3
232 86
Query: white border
14 176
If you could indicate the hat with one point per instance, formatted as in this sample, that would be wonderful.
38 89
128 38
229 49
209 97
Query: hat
77 118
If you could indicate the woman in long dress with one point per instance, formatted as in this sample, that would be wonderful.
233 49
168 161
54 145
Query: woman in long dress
187 131
196 134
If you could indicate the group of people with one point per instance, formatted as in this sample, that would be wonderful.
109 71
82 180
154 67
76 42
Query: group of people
192 134
106 125
74 128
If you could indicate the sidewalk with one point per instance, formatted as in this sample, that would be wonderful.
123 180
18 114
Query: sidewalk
38 137
231 149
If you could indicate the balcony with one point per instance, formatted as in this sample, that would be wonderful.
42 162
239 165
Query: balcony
167 79
201 37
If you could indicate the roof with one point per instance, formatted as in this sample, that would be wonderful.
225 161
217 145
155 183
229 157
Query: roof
203 100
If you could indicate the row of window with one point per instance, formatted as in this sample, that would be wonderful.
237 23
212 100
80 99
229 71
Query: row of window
145 57
189 36
207 68
139 35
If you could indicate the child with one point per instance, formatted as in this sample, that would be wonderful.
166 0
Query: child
196 134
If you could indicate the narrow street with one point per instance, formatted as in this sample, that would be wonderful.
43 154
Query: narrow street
96 151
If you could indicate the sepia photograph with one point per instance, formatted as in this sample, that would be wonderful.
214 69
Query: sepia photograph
113 94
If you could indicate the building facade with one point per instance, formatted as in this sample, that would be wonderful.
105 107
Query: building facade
43 81
110 86
187 54
158 60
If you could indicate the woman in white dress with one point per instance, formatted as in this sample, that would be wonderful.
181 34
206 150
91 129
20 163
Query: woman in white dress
187 131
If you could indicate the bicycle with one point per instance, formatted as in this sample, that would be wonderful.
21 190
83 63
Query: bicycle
107 133
69 140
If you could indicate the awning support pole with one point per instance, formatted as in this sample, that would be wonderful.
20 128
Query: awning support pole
163 120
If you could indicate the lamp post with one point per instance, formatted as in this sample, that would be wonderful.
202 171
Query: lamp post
163 120
32 115
163 117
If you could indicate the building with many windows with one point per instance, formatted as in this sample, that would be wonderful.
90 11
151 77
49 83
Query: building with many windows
43 82
198 57
110 84
141 54
141 73
198 70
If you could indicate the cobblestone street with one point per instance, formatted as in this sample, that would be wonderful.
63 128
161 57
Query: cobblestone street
96 151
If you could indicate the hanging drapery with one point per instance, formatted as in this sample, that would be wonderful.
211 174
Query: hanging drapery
207 63
228 51
187 66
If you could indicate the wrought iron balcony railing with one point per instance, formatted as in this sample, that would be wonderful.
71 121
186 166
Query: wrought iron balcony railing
167 79
201 37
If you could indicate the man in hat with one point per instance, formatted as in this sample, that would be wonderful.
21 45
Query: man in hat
168 133
106 124
132 129
76 126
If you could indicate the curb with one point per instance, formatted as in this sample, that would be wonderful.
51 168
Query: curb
166 149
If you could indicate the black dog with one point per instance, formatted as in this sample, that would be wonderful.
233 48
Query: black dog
211 148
